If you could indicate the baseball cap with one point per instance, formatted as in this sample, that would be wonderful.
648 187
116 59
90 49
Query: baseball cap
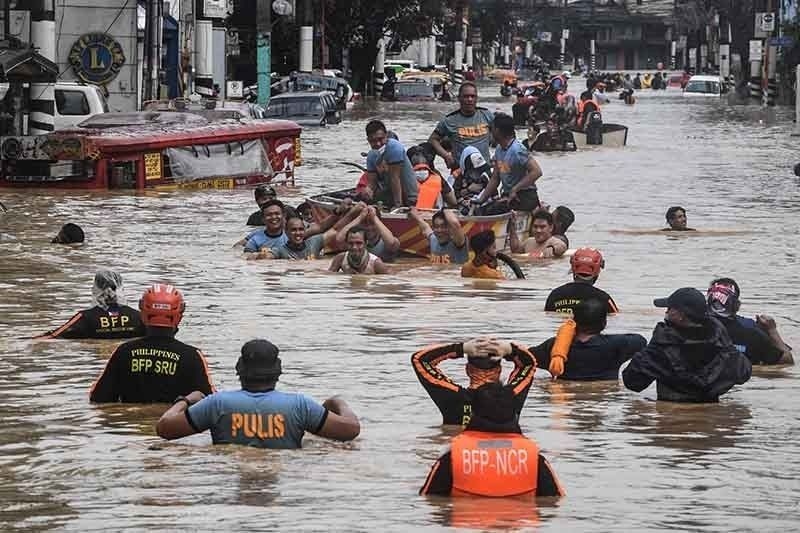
265 190
722 299
688 300
259 360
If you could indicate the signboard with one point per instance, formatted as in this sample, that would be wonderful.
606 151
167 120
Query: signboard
96 58
784 41
475 35
152 166
755 50
216 9
565 34
545 36
682 40
765 25
234 89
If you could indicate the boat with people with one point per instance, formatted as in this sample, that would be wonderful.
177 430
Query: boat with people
412 241
147 150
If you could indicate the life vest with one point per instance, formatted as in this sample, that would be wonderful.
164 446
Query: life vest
429 192
494 464
363 182
584 108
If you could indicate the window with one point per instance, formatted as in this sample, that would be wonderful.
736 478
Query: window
245 158
71 103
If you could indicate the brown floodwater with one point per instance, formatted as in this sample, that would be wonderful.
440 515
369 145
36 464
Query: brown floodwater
628 463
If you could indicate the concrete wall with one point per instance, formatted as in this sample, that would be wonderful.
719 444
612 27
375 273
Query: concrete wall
77 17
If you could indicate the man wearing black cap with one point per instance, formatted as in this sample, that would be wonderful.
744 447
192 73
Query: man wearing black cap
491 457
262 194
484 358
258 415
690 356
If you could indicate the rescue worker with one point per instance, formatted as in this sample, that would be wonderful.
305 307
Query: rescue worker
262 193
469 125
110 318
258 243
757 339
471 178
514 168
357 259
257 414
585 265
484 365
69 234
492 457
690 355
484 262
433 191
446 239
676 218
586 106
157 367
390 176
299 246
591 355
543 243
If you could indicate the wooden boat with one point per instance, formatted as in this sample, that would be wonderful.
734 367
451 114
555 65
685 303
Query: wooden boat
613 135
411 239
154 150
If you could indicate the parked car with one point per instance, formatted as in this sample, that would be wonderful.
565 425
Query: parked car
701 85
408 90
75 102
305 108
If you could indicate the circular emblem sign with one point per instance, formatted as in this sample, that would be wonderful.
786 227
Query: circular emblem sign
96 58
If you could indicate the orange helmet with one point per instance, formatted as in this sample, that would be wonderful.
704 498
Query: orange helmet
162 305
587 262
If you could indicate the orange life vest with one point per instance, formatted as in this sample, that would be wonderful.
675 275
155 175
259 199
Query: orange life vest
584 107
429 191
494 464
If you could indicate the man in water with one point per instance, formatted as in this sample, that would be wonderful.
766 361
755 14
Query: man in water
690 356
542 243
69 234
447 241
257 414
757 339
592 355
262 194
484 360
380 240
470 125
357 259
299 246
492 457
514 168
157 367
390 176
110 318
259 242
484 263
586 264
676 218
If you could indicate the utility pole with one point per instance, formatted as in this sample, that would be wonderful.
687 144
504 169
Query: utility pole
263 49
43 37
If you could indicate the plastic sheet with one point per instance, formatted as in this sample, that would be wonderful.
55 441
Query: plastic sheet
218 160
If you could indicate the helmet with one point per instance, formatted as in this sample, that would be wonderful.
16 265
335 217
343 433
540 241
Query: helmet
587 262
162 305
566 74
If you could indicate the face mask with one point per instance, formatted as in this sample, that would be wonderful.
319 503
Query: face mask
422 175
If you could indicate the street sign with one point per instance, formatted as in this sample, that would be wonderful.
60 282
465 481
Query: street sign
545 36
282 8
755 50
765 25
784 41
235 89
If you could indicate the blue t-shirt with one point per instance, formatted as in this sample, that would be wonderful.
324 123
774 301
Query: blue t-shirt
259 239
393 152
463 131
271 419
511 164
313 248
449 253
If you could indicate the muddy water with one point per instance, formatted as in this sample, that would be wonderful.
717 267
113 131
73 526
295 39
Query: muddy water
627 462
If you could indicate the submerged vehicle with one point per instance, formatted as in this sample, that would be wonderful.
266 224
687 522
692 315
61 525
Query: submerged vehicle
153 150
305 108
704 86
409 90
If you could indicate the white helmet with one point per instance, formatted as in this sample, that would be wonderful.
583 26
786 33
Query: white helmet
566 74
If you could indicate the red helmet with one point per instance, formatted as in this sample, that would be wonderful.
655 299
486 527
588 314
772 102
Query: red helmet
587 262
162 305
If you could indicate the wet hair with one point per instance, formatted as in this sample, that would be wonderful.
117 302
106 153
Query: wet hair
374 126
672 211
494 402
270 203
563 217
356 229
294 217
543 214
504 124
467 84
480 242
303 207
70 234
438 215
392 135
262 191
590 315
728 281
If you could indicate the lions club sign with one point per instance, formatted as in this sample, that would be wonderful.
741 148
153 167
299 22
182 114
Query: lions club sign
96 58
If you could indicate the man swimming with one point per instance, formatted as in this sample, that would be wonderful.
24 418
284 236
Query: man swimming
357 259
676 218
542 243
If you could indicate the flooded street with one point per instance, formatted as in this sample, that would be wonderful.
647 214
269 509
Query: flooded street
627 462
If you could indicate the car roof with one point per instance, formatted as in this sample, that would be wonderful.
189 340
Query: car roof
302 94
703 77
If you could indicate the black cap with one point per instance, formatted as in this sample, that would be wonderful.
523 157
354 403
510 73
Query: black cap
688 300
259 361
264 190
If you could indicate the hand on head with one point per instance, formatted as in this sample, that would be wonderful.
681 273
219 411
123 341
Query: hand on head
487 347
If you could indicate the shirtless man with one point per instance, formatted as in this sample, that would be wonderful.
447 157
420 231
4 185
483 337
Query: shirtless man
676 218
357 259
542 243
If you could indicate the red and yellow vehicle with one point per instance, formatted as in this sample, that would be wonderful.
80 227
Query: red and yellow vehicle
154 150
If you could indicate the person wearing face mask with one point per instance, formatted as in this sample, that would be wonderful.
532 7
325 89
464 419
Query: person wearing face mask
433 191
110 318
357 259
484 365
757 339
690 355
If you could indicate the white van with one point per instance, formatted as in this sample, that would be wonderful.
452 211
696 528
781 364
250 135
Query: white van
75 102
704 86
